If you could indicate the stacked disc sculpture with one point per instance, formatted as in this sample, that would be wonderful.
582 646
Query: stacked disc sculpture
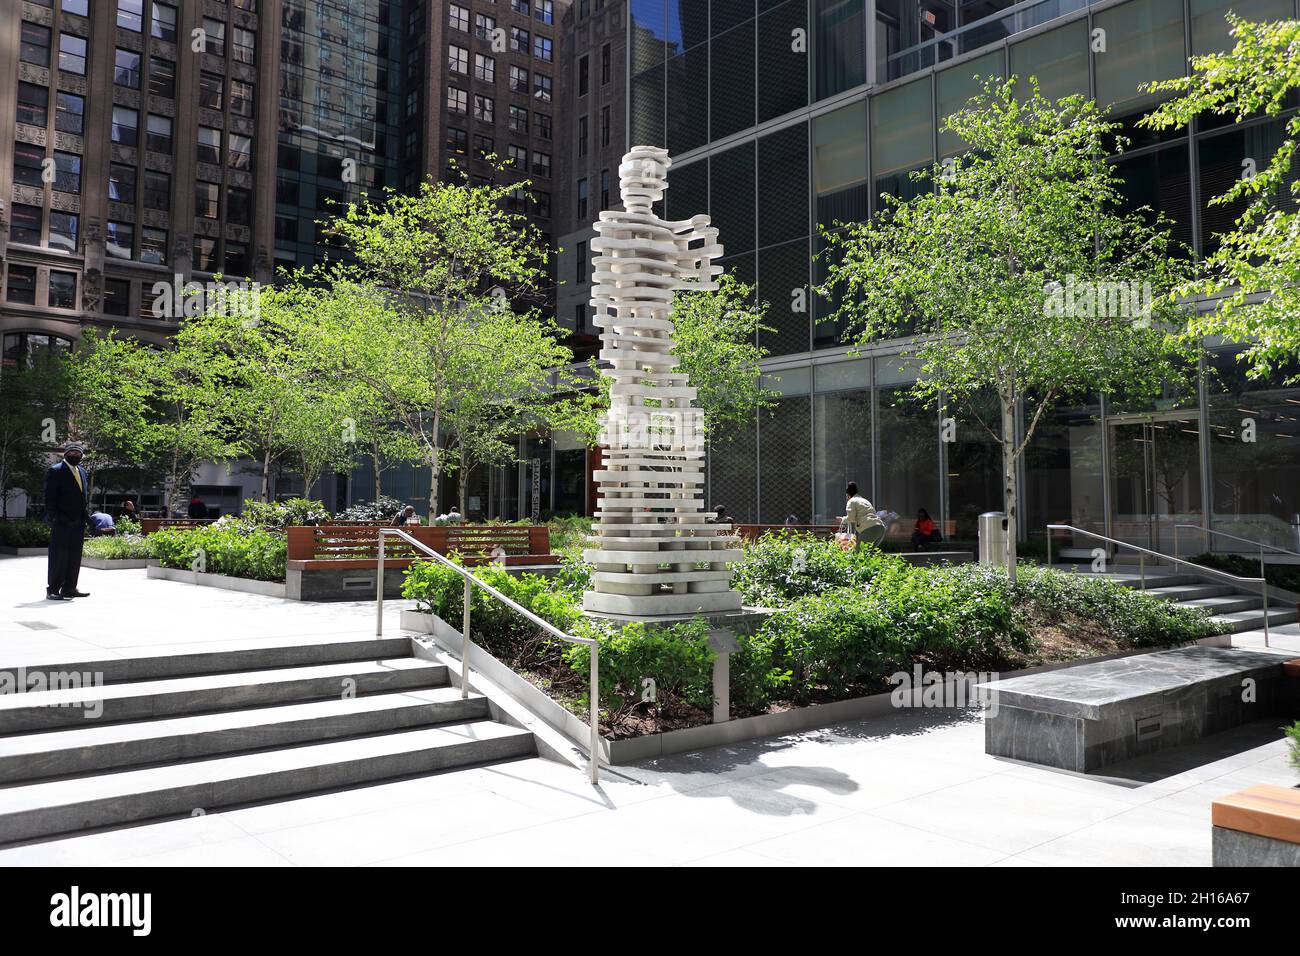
653 552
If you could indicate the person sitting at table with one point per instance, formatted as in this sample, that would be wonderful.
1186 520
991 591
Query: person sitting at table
924 531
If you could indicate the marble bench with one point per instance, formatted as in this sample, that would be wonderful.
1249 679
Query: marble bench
1086 717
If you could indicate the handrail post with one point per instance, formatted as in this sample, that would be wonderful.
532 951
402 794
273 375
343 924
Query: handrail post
464 650
1263 591
1142 569
1176 554
1049 548
379 589
594 706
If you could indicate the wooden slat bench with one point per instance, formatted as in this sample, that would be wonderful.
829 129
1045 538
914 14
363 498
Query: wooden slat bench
1259 826
339 562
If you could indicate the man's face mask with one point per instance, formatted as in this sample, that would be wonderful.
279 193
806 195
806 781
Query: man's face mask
74 457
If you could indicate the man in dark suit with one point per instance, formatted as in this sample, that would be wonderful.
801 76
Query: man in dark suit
66 495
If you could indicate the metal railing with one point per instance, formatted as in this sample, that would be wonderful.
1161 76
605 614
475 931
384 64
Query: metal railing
1143 553
1261 545
471 582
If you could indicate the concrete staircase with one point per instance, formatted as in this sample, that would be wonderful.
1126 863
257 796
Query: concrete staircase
1239 609
183 734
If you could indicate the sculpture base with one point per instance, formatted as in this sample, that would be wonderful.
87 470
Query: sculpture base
642 606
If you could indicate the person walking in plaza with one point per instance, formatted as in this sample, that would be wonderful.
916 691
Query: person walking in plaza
66 497
860 517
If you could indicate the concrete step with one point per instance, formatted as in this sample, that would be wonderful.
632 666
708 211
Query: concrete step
1253 620
112 746
1154 579
175 696
38 810
1227 603
166 662
1190 592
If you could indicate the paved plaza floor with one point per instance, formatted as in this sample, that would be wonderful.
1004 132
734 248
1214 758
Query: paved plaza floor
912 788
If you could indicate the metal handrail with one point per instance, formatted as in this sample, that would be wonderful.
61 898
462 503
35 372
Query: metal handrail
1223 534
1143 552
470 580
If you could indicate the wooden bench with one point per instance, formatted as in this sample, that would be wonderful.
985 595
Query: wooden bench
339 562
1259 826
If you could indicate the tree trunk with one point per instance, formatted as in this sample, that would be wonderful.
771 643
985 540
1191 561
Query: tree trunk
435 470
1009 486
464 487
266 475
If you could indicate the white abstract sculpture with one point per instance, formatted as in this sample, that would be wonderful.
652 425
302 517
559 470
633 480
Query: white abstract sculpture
654 554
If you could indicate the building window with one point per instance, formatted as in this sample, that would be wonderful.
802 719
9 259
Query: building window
604 189
239 207
162 77
126 126
63 231
21 288
158 191
241 98
542 87
542 205
457 59
25 226
483 147
245 46
119 240
518 119
34 104
582 136
518 80
584 76
582 199
163 22
121 183
541 163
520 6
29 164
484 108
604 64
240 152
236 259
72 54
67 173
542 49
543 125
158 134
604 126
69 113
126 69
80 7
34 47
214 37
485 68
205 254
130 15
544 10
117 297
484 25
209 145
153 246
62 293
457 141
579 317
210 90
457 100
458 18
580 263
518 156
519 40
207 199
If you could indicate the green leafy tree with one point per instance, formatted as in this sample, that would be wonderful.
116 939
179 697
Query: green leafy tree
1255 272
1018 272
32 411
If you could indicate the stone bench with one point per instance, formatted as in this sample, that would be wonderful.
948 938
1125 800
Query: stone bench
339 562
1259 826
1086 717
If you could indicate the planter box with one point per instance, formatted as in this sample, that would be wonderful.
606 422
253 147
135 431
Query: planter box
634 749
113 564
1257 827
248 585
24 552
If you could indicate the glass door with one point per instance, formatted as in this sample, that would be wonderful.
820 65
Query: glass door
1155 467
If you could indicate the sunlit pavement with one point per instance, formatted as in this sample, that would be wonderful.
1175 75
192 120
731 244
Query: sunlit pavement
912 788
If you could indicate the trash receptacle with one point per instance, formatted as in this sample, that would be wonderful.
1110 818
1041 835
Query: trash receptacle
993 538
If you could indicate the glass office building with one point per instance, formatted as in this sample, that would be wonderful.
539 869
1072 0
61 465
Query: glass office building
784 117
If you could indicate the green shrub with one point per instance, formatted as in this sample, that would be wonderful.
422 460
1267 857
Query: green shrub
385 509
281 514
1285 576
784 566
24 533
229 547
119 547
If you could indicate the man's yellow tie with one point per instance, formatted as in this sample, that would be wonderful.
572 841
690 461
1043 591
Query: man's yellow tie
76 473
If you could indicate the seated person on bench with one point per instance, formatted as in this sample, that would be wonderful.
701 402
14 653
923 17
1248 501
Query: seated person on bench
924 532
